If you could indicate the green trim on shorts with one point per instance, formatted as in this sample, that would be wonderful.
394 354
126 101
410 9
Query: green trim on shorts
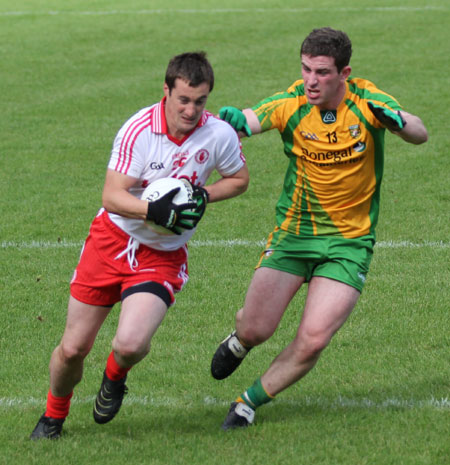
344 260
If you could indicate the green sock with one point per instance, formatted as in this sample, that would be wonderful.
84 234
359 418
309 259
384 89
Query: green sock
255 395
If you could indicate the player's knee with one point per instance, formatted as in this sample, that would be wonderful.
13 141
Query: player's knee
253 332
70 352
253 335
130 351
310 344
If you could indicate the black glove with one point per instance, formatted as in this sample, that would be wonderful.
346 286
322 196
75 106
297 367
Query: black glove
201 198
173 217
393 121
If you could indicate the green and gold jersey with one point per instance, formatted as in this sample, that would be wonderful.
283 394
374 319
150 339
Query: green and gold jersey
332 184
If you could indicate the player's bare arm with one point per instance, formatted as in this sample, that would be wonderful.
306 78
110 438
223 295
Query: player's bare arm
229 186
414 130
252 121
405 125
117 199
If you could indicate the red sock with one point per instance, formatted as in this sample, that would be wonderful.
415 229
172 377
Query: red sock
57 407
113 370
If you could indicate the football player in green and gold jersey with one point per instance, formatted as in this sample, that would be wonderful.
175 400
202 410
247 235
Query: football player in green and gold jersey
332 128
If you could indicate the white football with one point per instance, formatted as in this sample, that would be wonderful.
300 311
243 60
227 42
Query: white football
158 189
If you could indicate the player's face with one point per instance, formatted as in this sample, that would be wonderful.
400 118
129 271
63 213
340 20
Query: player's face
324 85
184 107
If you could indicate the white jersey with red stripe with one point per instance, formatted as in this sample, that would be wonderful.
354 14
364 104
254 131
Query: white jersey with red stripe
144 150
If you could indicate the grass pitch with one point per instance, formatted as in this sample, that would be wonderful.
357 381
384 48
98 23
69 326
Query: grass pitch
71 74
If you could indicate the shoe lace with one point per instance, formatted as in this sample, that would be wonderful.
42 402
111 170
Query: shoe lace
130 251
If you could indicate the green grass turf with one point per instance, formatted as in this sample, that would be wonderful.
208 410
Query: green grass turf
71 74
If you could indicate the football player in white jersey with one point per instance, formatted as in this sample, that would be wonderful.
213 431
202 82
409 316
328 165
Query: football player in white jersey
124 260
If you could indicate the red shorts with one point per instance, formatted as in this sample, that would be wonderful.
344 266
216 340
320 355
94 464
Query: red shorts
100 278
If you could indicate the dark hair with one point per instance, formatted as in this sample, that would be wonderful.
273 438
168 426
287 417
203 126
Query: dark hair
328 42
192 67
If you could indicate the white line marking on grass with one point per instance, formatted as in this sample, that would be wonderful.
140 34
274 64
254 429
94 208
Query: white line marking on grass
364 403
215 11
412 245
40 244
224 243
339 402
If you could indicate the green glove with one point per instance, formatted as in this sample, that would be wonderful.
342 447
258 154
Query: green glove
388 118
236 118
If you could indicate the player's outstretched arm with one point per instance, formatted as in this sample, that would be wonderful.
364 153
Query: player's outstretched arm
252 121
414 130
245 122
405 125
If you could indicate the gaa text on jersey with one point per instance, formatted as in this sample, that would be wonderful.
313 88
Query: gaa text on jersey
156 166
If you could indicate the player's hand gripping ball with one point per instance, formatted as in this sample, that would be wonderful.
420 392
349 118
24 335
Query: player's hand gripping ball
171 205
